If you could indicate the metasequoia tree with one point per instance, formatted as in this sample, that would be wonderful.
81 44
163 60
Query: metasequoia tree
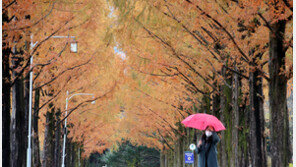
148 64
89 71
215 39
53 70
15 84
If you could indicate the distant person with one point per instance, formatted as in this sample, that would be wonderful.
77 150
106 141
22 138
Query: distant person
207 148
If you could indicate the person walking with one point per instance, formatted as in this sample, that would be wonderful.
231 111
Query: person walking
207 148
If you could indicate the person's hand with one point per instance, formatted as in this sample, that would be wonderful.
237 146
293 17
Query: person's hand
199 143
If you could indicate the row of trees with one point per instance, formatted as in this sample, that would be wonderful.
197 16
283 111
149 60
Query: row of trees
55 71
220 57
149 64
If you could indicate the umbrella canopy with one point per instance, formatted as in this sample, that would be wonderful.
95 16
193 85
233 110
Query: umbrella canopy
201 121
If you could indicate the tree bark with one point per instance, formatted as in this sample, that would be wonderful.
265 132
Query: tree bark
68 158
162 156
181 151
166 159
257 141
15 108
288 141
278 96
175 154
223 157
178 163
6 103
223 110
35 143
48 149
57 150
244 135
235 117
184 147
73 154
18 132
162 159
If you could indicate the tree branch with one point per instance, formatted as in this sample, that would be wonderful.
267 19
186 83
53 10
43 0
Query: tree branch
87 101
27 64
37 22
175 54
162 102
245 57
60 74
165 140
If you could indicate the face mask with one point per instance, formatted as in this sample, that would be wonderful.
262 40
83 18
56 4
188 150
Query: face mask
208 133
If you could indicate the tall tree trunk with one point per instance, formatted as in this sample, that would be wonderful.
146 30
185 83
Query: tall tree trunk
256 115
162 159
235 117
215 111
73 154
247 125
6 90
178 164
278 96
18 132
223 158
19 115
48 149
166 159
289 135
15 108
68 158
57 151
35 144
20 127
181 151
257 141
244 135
6 112
162 155
225 99
175 155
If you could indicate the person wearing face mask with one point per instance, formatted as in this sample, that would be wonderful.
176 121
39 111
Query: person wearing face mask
207 148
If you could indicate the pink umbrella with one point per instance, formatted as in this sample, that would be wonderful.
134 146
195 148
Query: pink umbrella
201 121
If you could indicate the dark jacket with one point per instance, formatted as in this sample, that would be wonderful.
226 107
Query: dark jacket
208 145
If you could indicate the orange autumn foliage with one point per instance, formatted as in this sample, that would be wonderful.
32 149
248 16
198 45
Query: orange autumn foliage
169 55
